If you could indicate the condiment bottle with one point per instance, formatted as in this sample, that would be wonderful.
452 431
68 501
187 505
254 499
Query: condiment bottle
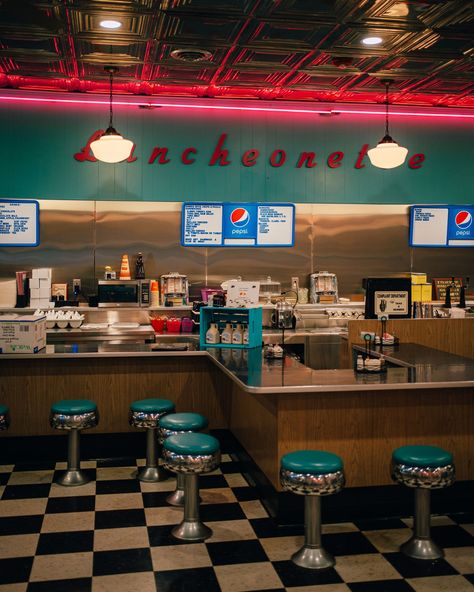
226 335
139 268
212 334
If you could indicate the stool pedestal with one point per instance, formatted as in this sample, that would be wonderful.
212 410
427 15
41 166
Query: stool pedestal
73 474
312 555
191 528
177 497
421 545
151 472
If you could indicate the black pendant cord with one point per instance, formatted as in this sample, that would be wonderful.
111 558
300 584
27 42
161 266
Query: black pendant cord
386 109
110 100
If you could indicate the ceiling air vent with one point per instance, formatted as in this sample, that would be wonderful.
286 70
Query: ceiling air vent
191 55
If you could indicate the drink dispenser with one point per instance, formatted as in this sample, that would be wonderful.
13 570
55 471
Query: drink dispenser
174 289
323 287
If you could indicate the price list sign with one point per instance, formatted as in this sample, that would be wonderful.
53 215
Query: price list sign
19 223
238 225
442 226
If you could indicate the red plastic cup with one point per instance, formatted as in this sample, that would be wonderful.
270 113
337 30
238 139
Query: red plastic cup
158 325
173 325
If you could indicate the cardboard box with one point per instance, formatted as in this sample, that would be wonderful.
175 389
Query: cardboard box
23 334
34 283
45 283
42 273
426 292
34 294
45 293
421 293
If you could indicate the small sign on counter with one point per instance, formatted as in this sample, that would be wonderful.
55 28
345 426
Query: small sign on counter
19 223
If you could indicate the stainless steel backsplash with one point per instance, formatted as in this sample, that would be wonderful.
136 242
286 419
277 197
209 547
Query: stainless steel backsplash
79 238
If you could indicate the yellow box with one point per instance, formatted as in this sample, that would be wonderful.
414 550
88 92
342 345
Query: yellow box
416 292
426 292
418 278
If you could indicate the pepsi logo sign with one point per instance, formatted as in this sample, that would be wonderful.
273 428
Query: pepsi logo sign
463 219
239 217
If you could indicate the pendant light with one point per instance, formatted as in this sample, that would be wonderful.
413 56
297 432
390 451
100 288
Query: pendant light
111 146
387 154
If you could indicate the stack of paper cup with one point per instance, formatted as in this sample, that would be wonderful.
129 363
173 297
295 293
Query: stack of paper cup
154 293
125 268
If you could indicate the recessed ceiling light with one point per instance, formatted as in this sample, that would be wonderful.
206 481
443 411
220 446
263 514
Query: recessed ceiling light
372 40
110 24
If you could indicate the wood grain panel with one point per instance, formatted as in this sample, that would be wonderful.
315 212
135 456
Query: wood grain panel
455 336
364 428
29 387
254 423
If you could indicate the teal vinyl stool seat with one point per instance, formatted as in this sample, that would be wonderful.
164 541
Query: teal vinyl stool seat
146 413
73 415
424 468
179 423
312 473
191 454
4 417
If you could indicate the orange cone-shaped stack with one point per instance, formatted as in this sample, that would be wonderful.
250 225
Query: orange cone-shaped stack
125 268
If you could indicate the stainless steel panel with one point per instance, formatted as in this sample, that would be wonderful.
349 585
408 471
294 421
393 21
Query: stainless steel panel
256 264
67 244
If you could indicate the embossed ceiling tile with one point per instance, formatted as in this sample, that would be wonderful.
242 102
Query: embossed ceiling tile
248 78
188 75
297 35
302 9
268 59
191 29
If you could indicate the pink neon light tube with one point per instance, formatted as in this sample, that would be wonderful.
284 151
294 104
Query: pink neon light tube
236 105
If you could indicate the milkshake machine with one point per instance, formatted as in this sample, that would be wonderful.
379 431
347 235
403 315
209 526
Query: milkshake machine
174 289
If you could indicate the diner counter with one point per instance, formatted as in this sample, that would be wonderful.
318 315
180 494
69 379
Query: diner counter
410 366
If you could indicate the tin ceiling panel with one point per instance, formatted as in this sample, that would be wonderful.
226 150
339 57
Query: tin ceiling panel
272 49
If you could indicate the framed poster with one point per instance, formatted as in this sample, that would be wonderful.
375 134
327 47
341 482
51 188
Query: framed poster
19 223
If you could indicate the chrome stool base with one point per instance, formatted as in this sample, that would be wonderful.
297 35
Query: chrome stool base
191 531
418 548
313 558
176 498
72 478
151 474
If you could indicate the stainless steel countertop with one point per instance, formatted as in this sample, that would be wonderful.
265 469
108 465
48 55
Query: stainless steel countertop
418 367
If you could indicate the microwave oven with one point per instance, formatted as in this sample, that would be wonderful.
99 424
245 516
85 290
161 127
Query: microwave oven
123 293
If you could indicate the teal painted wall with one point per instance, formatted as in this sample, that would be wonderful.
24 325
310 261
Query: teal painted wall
36 157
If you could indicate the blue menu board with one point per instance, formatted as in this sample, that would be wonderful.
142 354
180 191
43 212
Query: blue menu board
19 223
238 224
441 226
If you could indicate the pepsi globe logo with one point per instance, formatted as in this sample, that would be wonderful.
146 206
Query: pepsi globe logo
463 219
239 217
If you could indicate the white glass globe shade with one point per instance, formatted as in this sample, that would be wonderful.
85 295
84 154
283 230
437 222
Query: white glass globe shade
387 155
111 148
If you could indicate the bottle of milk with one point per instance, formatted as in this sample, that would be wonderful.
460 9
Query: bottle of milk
238 335
226 335
212 334
245 335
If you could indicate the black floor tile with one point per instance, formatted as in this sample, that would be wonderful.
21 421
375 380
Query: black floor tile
236 552
26 491
35 466
76 585
160 536
231 467
120 518
155 499
118 486
15 570
267 527
470 578
51 543
122 561
81 503
217 512
293 575
464 518
4 478
369 524
117 462
451 536
201 579
381 586
347 543
418 568
245 494
211 481
20 524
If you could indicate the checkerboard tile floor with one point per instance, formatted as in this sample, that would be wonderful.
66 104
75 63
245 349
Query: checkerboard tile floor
113 534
